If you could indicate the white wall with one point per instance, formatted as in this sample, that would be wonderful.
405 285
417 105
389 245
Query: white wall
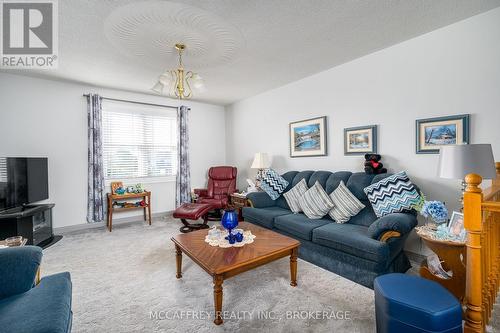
453 70
49 118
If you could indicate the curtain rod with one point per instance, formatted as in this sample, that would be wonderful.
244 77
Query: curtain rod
135 102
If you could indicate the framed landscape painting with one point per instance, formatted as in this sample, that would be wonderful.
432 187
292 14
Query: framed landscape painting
360 140
432 133
308 137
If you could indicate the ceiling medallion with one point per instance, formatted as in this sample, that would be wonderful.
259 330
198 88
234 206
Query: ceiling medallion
177 82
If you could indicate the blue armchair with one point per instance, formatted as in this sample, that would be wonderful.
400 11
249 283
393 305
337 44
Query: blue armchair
29 308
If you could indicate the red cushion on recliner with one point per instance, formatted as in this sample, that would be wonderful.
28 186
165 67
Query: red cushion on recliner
222 173
221 182
192 211
217 203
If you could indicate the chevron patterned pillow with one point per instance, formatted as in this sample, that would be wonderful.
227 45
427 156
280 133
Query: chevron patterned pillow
272 183
393 194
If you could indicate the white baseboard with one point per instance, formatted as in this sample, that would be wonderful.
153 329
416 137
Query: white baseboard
102 225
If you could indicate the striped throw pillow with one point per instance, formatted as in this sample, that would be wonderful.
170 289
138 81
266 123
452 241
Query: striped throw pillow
393 194
346 204
315 202
292 196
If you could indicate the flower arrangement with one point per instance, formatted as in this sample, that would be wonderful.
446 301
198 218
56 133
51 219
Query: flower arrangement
422 200
436 210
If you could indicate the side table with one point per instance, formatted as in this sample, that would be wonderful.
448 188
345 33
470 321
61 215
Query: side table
146 196
238 202
453 257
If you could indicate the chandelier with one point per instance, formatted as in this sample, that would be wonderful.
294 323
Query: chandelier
177 83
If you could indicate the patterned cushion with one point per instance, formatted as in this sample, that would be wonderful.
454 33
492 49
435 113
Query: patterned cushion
393 194
346 204
315 202
292 196
272 183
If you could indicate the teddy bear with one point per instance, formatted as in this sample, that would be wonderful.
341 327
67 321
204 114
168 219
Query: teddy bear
373 166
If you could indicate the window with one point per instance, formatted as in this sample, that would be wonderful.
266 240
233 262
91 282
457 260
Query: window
138 140
3 169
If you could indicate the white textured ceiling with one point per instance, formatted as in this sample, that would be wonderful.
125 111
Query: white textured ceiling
240 47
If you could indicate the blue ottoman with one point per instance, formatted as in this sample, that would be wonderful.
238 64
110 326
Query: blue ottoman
406 303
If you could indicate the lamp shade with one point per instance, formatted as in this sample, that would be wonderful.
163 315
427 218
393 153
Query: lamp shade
261 161
455 162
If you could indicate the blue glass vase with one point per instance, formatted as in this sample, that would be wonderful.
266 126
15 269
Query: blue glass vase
230 221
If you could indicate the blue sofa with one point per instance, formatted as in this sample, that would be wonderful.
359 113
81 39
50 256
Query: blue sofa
360 250
29 308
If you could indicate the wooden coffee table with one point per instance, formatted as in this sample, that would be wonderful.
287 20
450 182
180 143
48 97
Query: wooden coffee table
223 263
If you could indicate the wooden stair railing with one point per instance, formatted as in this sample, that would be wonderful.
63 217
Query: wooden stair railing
482 222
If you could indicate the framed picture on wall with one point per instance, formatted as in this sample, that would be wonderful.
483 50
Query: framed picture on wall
308 137
432 133
360 140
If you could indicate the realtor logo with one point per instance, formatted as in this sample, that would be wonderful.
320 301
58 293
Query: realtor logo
29 34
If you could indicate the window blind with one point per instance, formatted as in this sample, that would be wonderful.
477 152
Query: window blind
3 170
138 140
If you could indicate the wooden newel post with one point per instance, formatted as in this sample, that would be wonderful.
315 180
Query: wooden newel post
473 197
496 182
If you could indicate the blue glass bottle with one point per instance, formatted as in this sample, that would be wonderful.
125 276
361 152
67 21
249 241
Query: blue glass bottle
230 221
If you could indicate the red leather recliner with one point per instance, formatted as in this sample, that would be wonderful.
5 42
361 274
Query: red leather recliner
221 183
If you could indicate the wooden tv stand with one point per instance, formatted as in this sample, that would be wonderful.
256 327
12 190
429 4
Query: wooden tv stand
33 222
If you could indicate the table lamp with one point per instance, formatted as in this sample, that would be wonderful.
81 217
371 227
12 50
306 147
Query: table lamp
261 162
457 161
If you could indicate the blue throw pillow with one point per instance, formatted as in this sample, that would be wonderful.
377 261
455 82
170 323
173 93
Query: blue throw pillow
393 194
272 183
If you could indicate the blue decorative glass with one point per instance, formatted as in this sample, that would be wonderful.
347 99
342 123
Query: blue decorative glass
230 221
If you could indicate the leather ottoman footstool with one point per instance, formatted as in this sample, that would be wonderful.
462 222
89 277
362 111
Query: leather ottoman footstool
411 304
193 211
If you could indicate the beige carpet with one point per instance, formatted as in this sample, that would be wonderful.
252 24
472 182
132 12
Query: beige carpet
119 278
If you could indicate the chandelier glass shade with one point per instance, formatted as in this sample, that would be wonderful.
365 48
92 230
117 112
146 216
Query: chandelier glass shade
178 83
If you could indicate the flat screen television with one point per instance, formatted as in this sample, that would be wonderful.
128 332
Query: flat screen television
23 180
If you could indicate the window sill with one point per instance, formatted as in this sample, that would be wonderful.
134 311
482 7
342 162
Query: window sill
145 180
